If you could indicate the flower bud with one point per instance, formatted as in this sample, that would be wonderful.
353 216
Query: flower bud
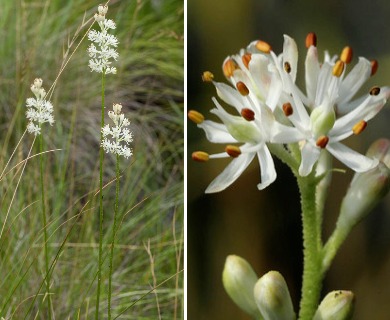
380 150
367 188
239 280
337 305
322 119
273 298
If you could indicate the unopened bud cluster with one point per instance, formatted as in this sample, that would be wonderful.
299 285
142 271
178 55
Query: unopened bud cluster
39 110
268 297
120 134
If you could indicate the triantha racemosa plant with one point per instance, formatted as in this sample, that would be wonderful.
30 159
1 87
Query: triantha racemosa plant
100 62
304 128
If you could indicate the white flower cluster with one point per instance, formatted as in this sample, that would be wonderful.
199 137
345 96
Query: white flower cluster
39 110
106 44
120 134
272 109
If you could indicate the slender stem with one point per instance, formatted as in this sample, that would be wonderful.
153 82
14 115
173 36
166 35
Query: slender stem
44 226
101 216
334 243
312 271
113 236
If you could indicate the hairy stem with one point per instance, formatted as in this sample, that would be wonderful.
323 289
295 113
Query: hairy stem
312 270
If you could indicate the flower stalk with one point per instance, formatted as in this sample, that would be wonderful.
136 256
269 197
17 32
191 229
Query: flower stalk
312 272
101 212
44 220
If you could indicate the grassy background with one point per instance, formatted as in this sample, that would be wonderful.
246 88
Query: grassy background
37 37
264 227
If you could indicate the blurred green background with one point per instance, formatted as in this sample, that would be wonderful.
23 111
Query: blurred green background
264 227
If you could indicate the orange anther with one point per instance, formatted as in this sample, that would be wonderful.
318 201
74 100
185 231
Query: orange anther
200 156
233 151
338 68
246 58
263 46
346 55
374 67
374 91
195 116
248 114
207 76
287 109
322 141
242 88
228 67
359 127
311 40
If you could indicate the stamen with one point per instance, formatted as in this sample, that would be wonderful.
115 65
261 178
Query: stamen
246 58
374 67
248 114
263 46
287 109
346 55
242 88
338 68
322 141
207 76
228 68
200 156
375 91
359 127
311 40
233 151
287 67
195 116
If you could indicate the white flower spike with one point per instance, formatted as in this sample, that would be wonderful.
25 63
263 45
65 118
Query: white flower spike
39 110
119 133
106 44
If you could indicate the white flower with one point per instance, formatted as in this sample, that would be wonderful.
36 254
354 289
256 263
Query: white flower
119 133
104 52
327 115
38 110
256 95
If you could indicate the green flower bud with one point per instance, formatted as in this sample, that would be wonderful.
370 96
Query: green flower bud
367 188
273 298
337 305
239 280
322 119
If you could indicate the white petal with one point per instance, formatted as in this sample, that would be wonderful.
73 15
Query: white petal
324 79
258 68
230 95
354 80
368 109
310 154
300 118
275 91
284 134
230 173
290 55
312 69
350 158
216 132
267 168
